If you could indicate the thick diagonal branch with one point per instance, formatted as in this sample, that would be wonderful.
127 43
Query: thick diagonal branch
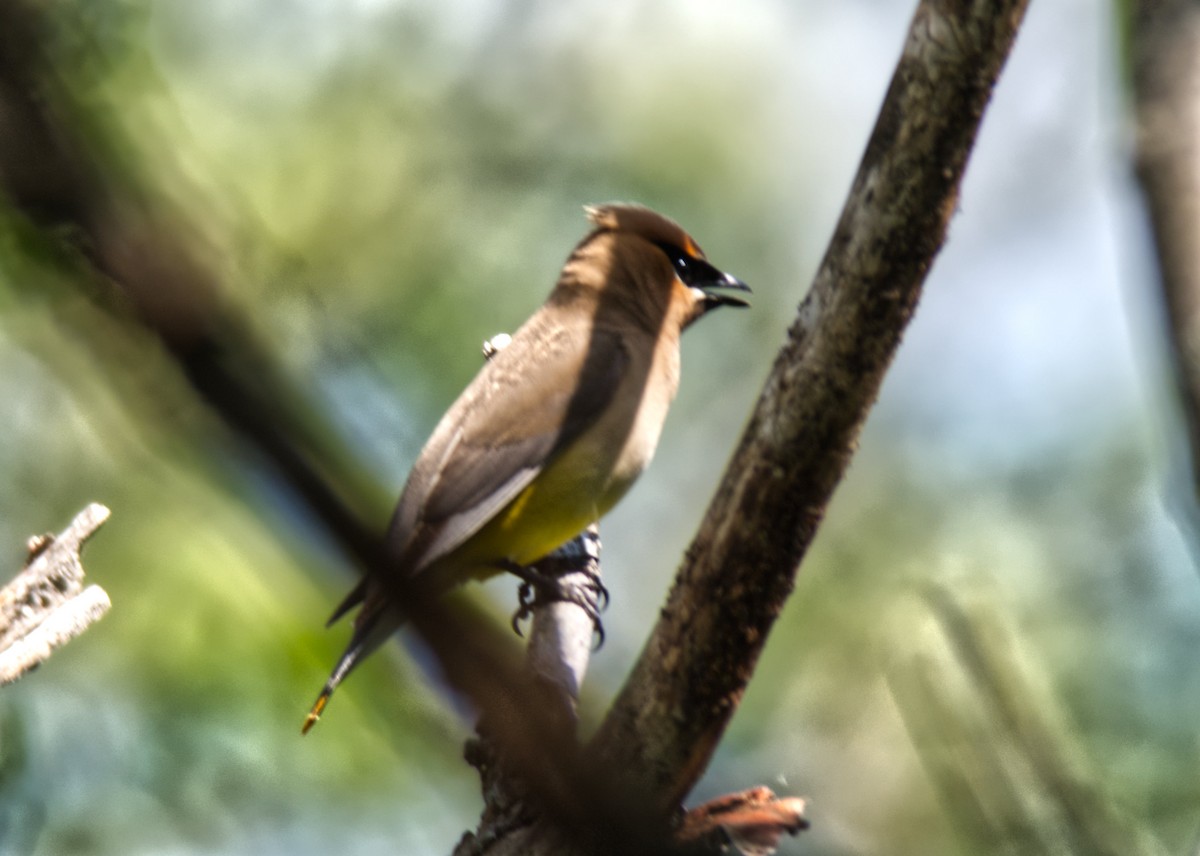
663 728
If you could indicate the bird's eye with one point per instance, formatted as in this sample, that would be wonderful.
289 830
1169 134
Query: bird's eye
685 266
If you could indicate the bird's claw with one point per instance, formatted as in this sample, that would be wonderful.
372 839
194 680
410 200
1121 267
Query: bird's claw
525 603
539 588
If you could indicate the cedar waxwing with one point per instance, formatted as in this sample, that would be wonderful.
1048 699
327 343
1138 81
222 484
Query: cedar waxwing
555 427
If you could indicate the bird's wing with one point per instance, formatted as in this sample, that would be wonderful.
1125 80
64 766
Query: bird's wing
519 412
501 433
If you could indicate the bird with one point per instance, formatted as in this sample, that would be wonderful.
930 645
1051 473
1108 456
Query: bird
554 428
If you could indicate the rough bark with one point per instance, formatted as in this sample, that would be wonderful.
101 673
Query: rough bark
665 725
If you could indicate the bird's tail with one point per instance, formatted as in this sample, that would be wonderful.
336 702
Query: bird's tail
349 659
371 629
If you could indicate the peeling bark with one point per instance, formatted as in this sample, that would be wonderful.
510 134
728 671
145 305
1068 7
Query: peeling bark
46 605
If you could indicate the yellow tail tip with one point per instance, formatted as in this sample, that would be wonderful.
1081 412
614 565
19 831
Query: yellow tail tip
314 714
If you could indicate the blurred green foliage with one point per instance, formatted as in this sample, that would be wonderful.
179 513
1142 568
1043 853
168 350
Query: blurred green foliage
988 635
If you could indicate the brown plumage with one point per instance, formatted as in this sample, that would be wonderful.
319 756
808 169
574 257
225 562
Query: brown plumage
556 426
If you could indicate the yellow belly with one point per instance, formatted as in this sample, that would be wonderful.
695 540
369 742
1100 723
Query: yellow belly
572 493
575 490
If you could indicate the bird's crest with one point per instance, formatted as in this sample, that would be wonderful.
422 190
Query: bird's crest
639 220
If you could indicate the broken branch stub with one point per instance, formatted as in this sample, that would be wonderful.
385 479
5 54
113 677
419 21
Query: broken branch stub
46 604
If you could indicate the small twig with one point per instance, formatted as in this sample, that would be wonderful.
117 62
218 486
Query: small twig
751 821
46 605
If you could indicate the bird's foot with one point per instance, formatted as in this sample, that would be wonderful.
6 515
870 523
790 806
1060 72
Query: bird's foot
560 580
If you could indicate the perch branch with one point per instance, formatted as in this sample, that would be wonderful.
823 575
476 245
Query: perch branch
556 661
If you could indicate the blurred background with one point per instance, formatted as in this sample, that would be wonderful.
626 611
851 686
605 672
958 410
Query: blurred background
991 646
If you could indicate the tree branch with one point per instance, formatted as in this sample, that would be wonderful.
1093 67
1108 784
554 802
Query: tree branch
664 726
45 606
1166 76
560 638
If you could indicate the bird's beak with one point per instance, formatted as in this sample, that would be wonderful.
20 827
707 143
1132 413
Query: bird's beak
721 280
